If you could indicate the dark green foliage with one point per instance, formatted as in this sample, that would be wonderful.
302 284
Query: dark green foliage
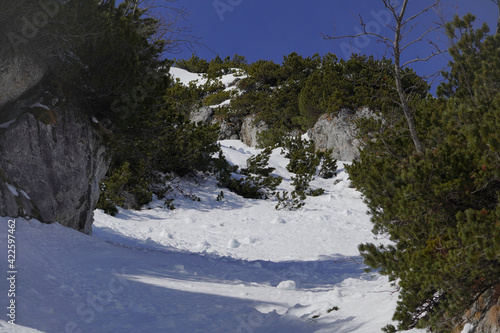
184 98
217 98
223 170
193 64
304 163
218 67
212 92
328 164
258 164
214 68
351 84
112 190
289 201
272 137
81 42
467 51
91 39
440 208
389 329
295 94
152 135
272 90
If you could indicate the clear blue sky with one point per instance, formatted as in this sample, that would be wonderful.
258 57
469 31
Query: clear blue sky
270 29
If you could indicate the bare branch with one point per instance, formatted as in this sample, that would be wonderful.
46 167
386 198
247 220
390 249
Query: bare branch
419 39
421 12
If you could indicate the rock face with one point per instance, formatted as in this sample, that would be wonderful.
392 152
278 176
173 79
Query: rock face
339 133
229 129
484 315
51 164
17 75
205 115
250 130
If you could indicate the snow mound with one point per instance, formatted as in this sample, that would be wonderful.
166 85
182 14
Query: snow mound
288 285
233 244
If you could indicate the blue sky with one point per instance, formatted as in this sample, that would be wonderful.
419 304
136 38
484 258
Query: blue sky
270 29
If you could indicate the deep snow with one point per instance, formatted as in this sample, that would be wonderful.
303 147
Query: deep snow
236 265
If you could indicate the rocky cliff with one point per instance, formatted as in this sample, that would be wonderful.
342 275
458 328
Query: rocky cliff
484 314
250 130
51 159
18 75
339 132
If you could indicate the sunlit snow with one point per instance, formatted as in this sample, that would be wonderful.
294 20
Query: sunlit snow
235 265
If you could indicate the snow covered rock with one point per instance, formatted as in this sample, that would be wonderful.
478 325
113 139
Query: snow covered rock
54 166
278 220
233 244
288 285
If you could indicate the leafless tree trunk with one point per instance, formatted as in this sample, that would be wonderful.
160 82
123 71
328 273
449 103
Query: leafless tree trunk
398 45
497 2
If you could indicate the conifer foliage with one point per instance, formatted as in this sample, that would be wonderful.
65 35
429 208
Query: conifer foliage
441 208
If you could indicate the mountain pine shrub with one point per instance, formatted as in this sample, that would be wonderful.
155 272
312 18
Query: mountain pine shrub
255 181
441 208
304 163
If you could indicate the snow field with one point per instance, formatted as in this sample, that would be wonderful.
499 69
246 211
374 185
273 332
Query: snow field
235 265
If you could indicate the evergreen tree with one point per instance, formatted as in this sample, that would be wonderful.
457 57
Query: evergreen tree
440 208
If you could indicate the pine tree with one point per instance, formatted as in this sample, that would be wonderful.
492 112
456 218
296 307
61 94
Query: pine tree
440 208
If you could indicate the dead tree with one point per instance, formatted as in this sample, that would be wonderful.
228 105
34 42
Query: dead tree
398 44
497 2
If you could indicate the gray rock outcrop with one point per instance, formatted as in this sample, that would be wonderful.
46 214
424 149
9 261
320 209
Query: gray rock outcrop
229 128
204 115
484 314
18 74
339 133
51 164
250 130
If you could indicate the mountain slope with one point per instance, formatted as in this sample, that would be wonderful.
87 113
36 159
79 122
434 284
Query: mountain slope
235 265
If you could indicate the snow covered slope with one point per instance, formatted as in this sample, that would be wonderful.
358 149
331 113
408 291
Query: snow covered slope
235 265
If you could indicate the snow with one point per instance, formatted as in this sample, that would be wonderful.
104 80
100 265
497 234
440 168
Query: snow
236 265
12 190
467 328
228 80
186 77
7 124
39 105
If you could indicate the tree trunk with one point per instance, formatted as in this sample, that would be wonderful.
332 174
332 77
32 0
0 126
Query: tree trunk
498 22
410 117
